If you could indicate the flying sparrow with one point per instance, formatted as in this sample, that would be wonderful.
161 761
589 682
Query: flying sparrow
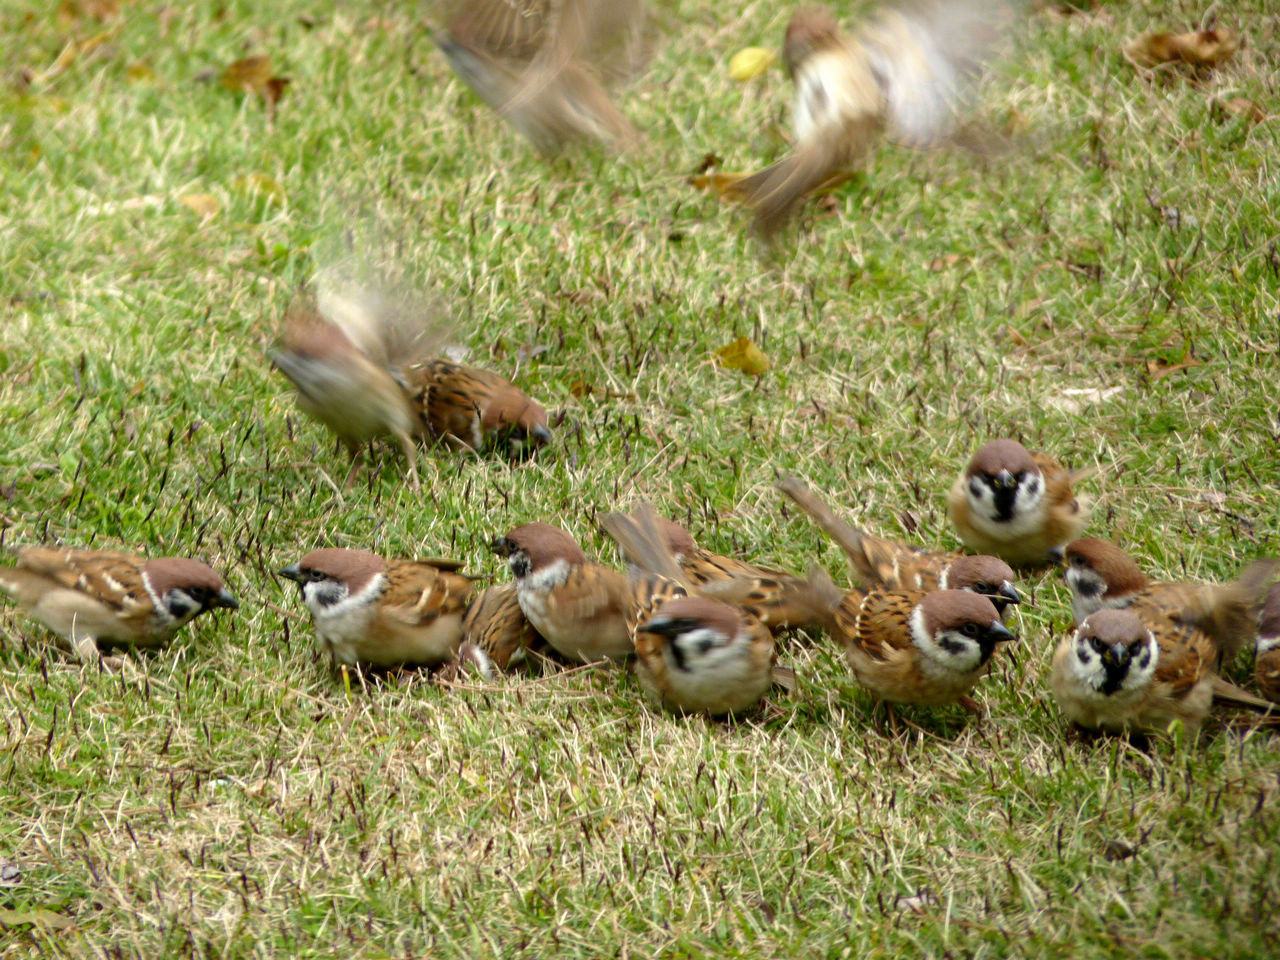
698 655
585 611
89 597
1016 505
1125 671
496 626
902 76
345 379
1267 666
371 611
908 647
469 408
1101 575
543 64
880 564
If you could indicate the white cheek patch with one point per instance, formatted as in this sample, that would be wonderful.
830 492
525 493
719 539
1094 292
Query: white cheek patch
949 650
345 612
1143 666
701 646
1267 644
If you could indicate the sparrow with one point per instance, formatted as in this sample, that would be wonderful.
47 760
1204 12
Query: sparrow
496 626
345 377
694 653
543 65
699 655
917 648
371 611
1267 665
585 611
1101 575
89 597
883 564
1016 505
470 409
763 591
903 76
1128 672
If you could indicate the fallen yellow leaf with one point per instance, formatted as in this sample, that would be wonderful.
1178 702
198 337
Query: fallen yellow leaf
260 183
203 205
743 355
139 70
249 74
750 62
723 185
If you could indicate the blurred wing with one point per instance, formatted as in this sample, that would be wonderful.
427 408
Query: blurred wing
393 328
927 56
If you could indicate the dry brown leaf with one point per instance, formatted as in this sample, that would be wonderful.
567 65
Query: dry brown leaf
69 11
1158 369
203 205
36 917
1241 107
743 355
139 70
1203 49
950 260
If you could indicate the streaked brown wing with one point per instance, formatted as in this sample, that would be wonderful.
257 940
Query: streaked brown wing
449 399
878 621
115 579
1186 654
418 592
891 565
644 594
496 624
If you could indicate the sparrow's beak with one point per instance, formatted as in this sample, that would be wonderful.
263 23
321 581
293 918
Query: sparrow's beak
1004 480
539 434
501 546
1009 592
1115 655
1002 634
225 599
662 627
1056 558
291 572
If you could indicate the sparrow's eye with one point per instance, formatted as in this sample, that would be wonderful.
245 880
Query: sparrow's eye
981 587
970 629
315 576
1077 560
1097 644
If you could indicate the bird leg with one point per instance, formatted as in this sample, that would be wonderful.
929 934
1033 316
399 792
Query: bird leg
411 454
354 450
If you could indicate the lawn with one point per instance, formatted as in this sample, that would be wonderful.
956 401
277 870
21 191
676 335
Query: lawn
1105 289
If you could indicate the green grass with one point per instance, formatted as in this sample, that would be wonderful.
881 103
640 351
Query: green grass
235 801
